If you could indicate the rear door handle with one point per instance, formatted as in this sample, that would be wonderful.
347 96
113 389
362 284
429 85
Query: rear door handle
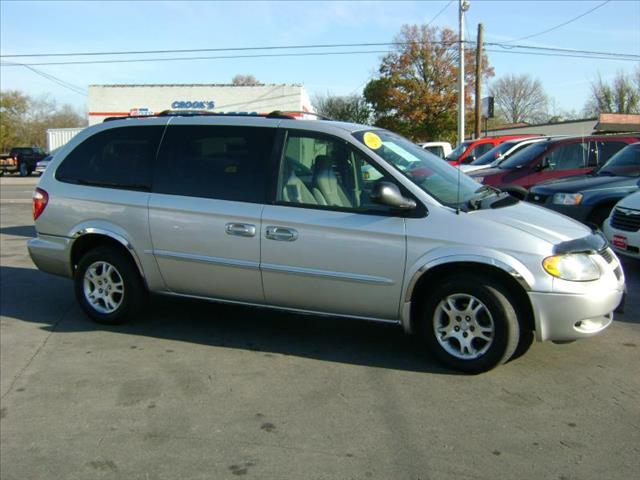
282 234
240 229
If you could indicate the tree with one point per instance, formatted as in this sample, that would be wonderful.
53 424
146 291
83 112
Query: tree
24 120
415 93
351 108
245 80
520 98
13 106
620 96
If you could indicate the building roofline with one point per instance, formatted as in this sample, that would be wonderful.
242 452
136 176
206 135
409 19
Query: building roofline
533 125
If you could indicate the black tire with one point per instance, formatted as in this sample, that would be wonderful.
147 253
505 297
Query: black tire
133 298
599 215
23 170
498 309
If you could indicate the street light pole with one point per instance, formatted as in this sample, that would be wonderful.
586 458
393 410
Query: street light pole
463 6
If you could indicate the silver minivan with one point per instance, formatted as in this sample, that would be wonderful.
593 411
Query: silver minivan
276 212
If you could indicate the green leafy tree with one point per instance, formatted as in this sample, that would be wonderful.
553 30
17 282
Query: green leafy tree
415 93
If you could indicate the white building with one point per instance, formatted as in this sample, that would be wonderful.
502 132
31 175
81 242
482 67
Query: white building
123 100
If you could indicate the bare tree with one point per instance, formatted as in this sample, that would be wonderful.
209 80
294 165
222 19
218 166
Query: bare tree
351 108
520 98
245 80
620 96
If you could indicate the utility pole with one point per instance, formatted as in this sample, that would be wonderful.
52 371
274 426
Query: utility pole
463 6
478 123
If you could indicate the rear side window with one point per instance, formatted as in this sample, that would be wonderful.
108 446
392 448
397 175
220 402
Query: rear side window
220 162
118 158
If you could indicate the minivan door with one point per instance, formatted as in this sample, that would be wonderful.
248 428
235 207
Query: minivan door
565 159
325 246
204 212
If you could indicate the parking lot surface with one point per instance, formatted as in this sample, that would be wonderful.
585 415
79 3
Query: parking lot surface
196 390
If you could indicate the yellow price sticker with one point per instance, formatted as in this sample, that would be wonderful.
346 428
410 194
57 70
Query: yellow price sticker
372 140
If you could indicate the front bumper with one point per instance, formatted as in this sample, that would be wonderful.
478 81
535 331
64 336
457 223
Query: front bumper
51 254
564 317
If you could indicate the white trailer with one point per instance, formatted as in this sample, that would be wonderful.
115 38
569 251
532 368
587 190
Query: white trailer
57 137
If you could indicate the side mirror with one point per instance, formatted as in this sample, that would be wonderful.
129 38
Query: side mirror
543 165
387 193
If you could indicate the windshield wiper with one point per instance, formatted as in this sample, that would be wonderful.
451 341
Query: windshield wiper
129 186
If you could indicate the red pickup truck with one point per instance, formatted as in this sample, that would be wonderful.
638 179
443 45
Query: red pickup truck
22 160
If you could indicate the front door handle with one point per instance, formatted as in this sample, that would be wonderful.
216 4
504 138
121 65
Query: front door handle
282 234
240 229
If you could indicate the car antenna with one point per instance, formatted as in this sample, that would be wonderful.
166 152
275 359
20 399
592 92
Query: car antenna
458 190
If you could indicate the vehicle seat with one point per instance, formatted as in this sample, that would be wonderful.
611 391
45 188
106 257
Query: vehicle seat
295 191
326 184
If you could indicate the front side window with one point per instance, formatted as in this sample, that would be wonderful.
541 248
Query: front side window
437 178
569 157
327 172
457 152
219 162
479 150
119 158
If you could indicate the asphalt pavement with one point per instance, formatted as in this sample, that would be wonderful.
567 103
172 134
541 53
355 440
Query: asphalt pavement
196 390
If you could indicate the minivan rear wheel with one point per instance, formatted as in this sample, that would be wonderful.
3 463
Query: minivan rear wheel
108 286
470 324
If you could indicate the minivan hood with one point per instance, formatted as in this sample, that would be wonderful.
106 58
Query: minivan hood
537 221
583 183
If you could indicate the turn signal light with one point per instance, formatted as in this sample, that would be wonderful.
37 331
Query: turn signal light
40 200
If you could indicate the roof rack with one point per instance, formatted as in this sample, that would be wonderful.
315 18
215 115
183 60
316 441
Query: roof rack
288 115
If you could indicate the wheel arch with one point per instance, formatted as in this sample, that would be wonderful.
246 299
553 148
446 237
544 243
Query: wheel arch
516 284
89 238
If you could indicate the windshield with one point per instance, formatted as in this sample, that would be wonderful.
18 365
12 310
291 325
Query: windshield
458 151
625 163
493 154
439 179
524 156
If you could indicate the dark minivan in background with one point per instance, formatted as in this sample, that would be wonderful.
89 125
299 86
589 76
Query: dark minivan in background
564 157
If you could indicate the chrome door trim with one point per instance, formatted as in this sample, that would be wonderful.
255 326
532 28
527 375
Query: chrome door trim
226 262
240 229
312 272
277 307
282 234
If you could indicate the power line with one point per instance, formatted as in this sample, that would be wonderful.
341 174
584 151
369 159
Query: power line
439 13
546 52
59 81
294 47
561 24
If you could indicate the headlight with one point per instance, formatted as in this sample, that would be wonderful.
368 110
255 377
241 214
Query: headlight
567 198
478 179
576 267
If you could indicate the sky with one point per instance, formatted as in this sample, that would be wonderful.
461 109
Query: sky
63 27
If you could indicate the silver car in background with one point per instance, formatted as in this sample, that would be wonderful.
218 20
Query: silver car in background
276 212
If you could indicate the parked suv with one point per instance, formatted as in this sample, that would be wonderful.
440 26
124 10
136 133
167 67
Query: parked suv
276 212
470 150
590 198
555 158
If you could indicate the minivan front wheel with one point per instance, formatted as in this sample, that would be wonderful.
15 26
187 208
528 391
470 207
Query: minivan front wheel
108 286
470 324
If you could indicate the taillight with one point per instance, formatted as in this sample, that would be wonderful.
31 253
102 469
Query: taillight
40 200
